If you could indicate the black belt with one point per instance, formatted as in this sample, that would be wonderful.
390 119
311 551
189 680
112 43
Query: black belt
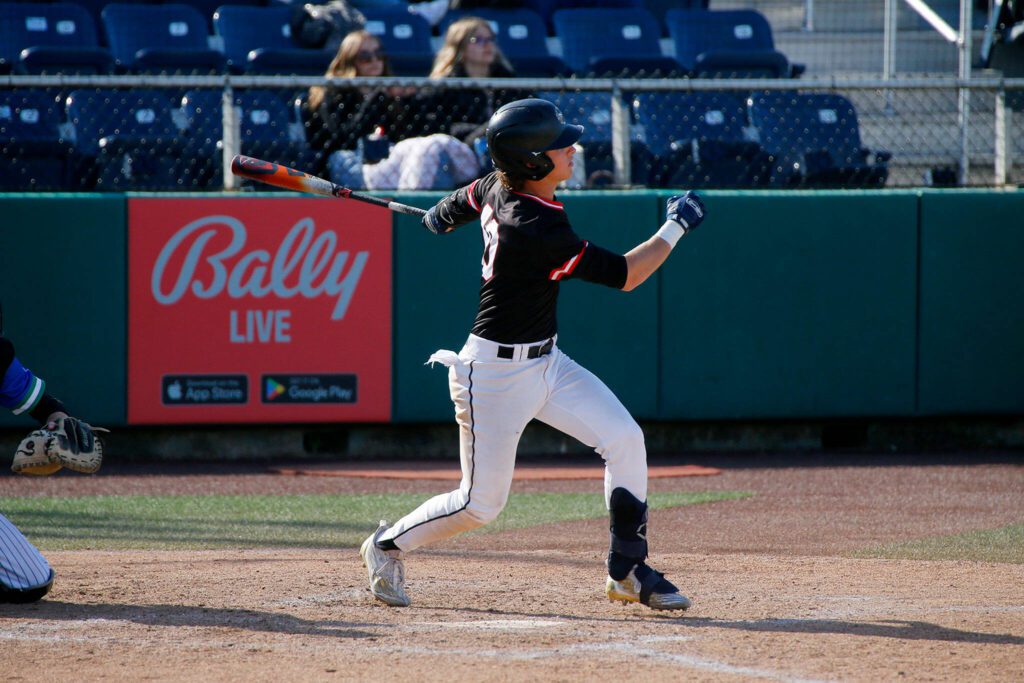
536 351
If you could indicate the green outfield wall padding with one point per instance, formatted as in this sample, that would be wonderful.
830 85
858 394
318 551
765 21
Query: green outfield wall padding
790 305
972 303
612 333
436 286
62 286
437 281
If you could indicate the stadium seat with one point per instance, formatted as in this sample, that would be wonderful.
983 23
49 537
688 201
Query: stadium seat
405 38
658 8
258 40
169 38
31 133
593 110
207 7
611 42
700 139
268 130
727 43
125 140
540 67
814 141
547 8
51 37
95 10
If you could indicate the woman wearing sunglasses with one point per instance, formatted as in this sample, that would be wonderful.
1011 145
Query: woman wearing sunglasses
470 50
380 138
336 117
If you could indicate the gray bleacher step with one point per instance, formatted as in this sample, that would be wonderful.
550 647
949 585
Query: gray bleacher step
848 15
917 51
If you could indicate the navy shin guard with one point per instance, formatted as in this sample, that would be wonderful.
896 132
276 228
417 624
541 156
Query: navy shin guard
628 546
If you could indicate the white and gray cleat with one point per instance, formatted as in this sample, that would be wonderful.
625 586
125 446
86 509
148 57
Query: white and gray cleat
386 570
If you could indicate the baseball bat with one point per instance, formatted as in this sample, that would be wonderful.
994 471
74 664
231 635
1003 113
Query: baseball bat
292 179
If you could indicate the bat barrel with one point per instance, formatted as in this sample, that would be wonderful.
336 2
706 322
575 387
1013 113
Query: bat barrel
288 178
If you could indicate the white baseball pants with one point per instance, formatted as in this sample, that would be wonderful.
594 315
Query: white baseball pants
495 398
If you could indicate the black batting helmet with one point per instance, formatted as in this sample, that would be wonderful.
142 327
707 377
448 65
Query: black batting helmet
520 132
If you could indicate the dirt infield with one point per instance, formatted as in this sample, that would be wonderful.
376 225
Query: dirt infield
777 595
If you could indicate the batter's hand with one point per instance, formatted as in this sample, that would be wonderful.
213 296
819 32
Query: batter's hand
687 210
432 222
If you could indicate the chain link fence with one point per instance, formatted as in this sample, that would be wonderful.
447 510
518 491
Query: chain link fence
93 133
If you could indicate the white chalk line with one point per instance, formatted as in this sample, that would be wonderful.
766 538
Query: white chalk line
627 649
493 624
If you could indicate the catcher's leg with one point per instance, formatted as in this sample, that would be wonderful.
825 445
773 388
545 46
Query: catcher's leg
25 575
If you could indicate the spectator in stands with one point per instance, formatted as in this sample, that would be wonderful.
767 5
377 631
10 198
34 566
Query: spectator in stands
337 117
470 50
375 138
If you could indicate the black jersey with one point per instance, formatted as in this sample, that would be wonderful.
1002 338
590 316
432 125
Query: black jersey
529 247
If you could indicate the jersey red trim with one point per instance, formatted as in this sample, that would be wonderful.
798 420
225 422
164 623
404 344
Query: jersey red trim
472 199
550 203
568 266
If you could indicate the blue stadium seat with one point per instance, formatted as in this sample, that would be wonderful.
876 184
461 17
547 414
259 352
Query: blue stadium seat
30 131
700 139
269 130
169 38
405 38
814 141
726 43
125 140
207 7
611 41
51 37
659 8
593 111
547 8
258 40
95 10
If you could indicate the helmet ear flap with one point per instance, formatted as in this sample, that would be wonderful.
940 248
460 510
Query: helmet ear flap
542 166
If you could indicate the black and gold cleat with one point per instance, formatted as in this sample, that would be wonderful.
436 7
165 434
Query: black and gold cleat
648 587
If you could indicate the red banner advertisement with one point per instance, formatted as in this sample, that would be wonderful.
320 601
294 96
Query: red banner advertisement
258 310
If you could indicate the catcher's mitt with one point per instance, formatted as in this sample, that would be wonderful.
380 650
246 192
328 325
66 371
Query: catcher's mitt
73 444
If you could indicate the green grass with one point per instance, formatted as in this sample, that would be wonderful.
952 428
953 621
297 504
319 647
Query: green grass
191 522
1005 544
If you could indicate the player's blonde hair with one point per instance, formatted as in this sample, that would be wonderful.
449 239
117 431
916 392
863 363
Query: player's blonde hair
510 182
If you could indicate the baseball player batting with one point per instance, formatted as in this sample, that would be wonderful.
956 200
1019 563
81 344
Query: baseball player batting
511 371
62 441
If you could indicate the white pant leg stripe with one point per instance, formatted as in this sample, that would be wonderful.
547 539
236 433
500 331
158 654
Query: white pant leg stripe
472 463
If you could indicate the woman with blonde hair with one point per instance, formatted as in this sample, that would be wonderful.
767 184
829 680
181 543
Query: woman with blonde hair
470 50
336 117
376 138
